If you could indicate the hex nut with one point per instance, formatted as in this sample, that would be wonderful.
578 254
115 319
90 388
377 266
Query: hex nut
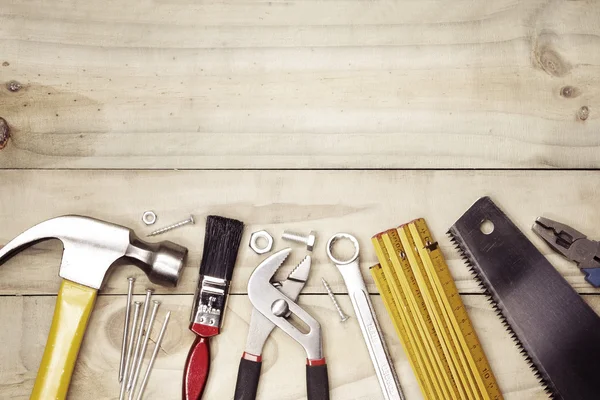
261 235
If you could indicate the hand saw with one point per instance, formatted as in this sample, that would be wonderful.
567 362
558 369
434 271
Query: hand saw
552 323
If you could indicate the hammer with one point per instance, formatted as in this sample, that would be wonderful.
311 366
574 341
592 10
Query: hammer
91 247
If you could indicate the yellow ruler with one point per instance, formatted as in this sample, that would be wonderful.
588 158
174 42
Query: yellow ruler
430 317
403 331
473 357
434 359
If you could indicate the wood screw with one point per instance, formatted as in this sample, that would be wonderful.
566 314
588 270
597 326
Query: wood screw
160 231
343 317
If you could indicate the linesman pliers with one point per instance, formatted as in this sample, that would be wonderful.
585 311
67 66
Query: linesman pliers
573 245
274 303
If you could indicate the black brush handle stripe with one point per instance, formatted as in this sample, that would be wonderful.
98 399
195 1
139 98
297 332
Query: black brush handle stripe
317 382
247 380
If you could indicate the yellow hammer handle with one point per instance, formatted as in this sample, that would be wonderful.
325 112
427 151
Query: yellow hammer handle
73 308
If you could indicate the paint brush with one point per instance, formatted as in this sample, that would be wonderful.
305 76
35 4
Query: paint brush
221 245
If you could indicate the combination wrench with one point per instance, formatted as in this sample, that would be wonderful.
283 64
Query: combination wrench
357 290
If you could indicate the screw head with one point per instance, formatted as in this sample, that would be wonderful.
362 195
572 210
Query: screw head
192 221
310 240
344 318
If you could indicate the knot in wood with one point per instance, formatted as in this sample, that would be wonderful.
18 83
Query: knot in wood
566 91
552 62
4 133
583 113
14 86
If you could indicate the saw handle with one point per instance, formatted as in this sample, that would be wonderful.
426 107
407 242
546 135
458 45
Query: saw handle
71 315
317 380
247 379
196 369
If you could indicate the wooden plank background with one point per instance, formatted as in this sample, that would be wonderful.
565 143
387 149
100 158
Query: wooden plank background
330 115
301 84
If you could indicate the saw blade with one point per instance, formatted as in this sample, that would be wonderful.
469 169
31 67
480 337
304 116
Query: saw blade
558 331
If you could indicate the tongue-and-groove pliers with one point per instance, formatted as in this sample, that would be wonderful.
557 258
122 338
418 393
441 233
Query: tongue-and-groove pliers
274 303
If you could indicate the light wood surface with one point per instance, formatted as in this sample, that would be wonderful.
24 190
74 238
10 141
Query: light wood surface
312 83
325 115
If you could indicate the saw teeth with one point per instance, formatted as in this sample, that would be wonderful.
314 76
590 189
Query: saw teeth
497 307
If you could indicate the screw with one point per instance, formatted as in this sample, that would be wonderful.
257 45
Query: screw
309 240
138 367
154 353
126 328
343 316
190 220
136 313
14 86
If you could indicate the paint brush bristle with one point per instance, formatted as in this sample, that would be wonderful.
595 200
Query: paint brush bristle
221 245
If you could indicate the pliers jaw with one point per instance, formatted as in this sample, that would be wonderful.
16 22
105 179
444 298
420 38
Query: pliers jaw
573 245
558 236
276 306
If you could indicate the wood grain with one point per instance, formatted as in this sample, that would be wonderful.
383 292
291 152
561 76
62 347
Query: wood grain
351 374
310 84
360 202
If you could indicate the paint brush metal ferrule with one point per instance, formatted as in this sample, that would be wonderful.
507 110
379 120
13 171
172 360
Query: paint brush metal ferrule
209 304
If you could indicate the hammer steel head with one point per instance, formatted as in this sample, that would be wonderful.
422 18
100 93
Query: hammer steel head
92 246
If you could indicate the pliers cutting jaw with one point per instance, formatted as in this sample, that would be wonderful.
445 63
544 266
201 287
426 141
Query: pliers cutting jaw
573 245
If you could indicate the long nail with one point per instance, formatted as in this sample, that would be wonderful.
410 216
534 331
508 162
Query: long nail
154 353
144 347
136 313
126 328
138 341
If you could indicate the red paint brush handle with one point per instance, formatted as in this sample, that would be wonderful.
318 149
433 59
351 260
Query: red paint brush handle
196 369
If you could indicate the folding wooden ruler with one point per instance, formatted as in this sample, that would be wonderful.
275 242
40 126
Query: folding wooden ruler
430 318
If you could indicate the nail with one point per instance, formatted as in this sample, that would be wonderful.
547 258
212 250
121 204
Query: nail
136 313
138 341
154 353
144 347
126 328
